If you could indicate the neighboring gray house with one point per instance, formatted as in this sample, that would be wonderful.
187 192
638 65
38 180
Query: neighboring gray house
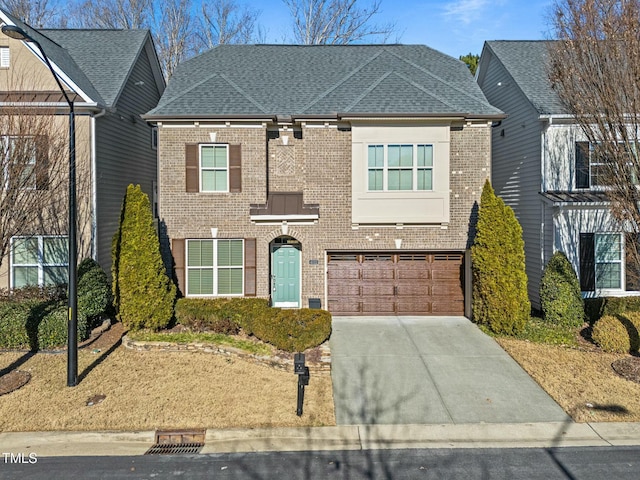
344 177
541 167
113 76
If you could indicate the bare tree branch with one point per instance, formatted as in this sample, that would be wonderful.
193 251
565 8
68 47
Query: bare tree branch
224 21
174 36
336 22
115 13
37 13
595 69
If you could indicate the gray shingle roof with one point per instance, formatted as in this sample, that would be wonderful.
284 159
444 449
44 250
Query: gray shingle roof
105 56
97 61
526 62
265 80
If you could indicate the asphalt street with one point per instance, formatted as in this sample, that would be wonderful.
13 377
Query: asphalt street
592 463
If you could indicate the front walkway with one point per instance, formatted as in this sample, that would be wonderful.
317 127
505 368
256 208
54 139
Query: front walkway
429 370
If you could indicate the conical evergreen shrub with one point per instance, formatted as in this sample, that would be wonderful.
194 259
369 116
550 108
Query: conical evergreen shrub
560 295
500 298
143 293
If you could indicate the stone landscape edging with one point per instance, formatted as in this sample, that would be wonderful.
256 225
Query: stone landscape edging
323 367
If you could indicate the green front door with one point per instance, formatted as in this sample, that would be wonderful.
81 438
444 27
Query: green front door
285 276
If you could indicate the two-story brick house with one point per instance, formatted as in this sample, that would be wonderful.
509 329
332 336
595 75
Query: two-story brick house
344 177
112 77
544 169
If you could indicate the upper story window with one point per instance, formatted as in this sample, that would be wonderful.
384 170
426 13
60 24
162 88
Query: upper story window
591 167
23 162
39 261
214 168
5 58
396 167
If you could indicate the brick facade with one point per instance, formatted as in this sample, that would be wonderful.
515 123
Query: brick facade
318 164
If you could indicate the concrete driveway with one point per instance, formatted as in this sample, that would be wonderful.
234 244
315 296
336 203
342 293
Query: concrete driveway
429 370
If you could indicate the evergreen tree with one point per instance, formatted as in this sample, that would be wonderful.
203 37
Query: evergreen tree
560 295
144 295
500 298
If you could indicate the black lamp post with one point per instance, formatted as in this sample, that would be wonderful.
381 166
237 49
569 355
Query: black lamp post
72 326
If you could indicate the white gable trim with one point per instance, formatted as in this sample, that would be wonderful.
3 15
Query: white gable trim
64 78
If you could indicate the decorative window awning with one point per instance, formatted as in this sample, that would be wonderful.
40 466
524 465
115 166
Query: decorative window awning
591 198
285 207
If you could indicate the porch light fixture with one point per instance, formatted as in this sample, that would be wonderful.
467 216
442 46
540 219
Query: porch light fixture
17 33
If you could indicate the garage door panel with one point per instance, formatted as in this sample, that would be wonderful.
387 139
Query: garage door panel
395 283
345 290
378 290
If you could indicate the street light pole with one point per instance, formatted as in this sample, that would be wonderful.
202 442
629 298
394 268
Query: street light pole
72 324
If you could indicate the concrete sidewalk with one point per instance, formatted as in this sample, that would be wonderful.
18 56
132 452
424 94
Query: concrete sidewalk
429 370
352 437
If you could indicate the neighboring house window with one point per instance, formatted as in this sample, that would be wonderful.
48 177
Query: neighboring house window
213 168
40 260
215 267
24 162
590 167
602 262
400 167
4 57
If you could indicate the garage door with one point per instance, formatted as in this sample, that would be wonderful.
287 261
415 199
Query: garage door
395 284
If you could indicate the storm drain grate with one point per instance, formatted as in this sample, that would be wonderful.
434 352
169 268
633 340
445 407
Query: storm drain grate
174 448
176 442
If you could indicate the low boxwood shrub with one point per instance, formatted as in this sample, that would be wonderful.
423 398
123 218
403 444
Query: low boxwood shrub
560 295
598 307
37 325
618 333
94 291
294 330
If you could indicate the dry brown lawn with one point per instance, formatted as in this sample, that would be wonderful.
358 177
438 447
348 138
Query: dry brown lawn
580 380
158 390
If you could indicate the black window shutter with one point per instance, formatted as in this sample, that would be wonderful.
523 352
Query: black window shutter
42 162
587 262
582 165
632 262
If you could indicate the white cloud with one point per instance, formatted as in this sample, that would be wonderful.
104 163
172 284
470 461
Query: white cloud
466 11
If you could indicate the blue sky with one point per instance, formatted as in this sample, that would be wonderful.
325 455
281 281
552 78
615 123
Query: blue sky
455 27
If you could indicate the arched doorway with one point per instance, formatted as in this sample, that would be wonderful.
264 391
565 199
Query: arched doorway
286 272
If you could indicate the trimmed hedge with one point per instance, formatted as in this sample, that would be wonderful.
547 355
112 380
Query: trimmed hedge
599 307
560 293
37 318
37 325
500 298
619 333
289 330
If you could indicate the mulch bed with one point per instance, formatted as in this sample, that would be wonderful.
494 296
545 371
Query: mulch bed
628 367
13 381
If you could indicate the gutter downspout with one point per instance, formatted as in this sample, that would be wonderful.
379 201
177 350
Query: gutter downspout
94 186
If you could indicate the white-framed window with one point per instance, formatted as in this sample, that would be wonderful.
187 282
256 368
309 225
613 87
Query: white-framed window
396 167
215 267
39 260
19 162
608 261
5 57
214 168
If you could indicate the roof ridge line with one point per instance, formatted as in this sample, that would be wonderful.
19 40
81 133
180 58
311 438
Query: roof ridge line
343 80
441 80
245 95
420 87
368 90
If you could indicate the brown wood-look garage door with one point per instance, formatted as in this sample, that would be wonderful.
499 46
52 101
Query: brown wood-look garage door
395 283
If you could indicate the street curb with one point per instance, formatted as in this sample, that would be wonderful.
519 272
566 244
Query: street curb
347 437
